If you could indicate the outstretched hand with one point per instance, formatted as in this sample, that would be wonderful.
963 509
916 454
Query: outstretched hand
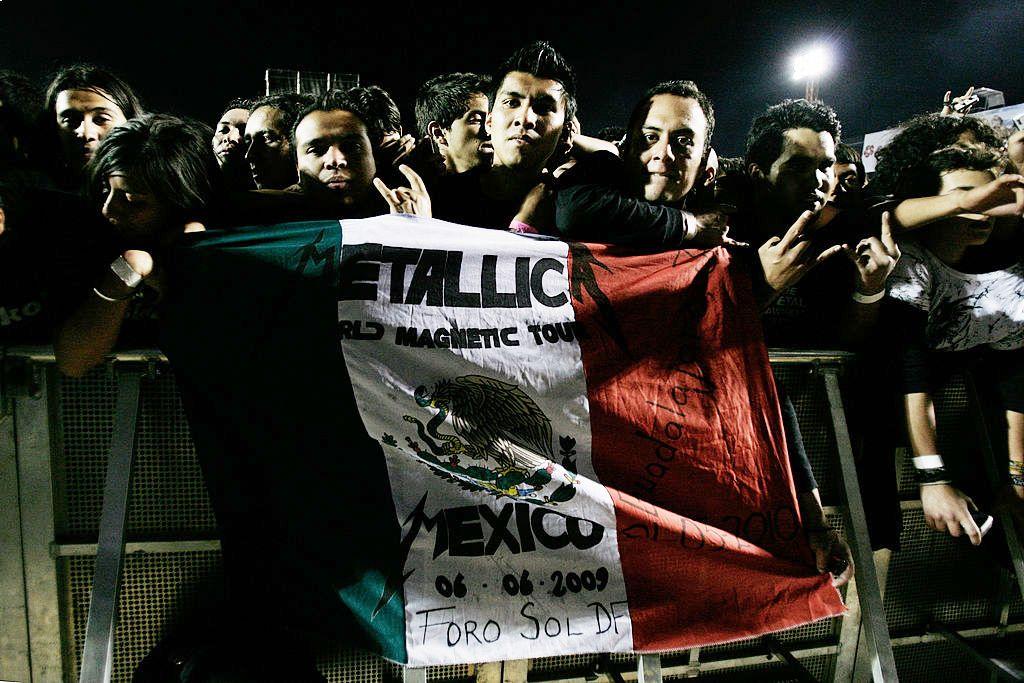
785 260
713 231
958 105
1003 196
413 200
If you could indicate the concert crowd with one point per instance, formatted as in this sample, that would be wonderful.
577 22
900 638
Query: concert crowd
916 268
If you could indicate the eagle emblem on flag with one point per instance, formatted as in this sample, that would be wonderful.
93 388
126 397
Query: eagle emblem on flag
501 444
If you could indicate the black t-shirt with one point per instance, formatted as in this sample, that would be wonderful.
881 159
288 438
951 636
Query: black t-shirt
460 199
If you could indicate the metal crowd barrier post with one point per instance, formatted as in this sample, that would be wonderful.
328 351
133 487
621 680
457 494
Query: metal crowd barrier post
414 674
98 651
648 669
883 664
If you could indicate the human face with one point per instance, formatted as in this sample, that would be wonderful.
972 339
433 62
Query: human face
335 155
228 136
965 229
468 145
135 213
84 117
667 150
268 149
801 177
526 121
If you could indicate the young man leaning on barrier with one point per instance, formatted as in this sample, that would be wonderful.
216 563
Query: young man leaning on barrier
951 315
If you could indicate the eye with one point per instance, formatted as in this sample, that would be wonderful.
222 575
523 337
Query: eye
650 138
101 119
511 103
684 141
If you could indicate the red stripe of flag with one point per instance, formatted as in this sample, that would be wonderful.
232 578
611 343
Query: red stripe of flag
687 436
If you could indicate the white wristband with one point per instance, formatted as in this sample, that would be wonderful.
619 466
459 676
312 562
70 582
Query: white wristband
868 298
928 462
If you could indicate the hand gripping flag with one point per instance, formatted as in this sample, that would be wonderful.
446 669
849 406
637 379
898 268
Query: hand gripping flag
483 446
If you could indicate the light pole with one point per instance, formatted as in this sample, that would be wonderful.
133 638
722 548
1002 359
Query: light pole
809 65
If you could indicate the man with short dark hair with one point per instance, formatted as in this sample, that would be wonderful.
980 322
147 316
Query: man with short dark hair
451 111
228 135
334 148
640 198
390 147
789 171
268 146
530 118
790 168
791 148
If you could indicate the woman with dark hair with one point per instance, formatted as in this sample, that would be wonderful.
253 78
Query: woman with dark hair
86 103
152 178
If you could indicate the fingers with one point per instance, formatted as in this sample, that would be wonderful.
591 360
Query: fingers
847 574
139 261
415 181
969 526
389 196
851 254
887 239
948 97
828 253
730 242
797 229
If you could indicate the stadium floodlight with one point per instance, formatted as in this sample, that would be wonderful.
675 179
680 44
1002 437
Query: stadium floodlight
809 65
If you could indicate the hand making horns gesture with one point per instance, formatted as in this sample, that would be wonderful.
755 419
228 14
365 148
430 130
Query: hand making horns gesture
412 200
788 258
874 259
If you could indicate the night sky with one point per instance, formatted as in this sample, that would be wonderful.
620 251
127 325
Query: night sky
895 59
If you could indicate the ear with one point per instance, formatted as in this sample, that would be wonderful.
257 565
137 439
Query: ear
489 122
436 134
709 174
3 220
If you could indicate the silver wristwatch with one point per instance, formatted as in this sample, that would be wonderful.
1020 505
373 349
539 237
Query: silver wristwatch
125 273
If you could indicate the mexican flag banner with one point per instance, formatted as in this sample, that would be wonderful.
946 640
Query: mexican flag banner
505 447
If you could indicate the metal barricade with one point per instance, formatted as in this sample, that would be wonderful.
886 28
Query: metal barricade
44 631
